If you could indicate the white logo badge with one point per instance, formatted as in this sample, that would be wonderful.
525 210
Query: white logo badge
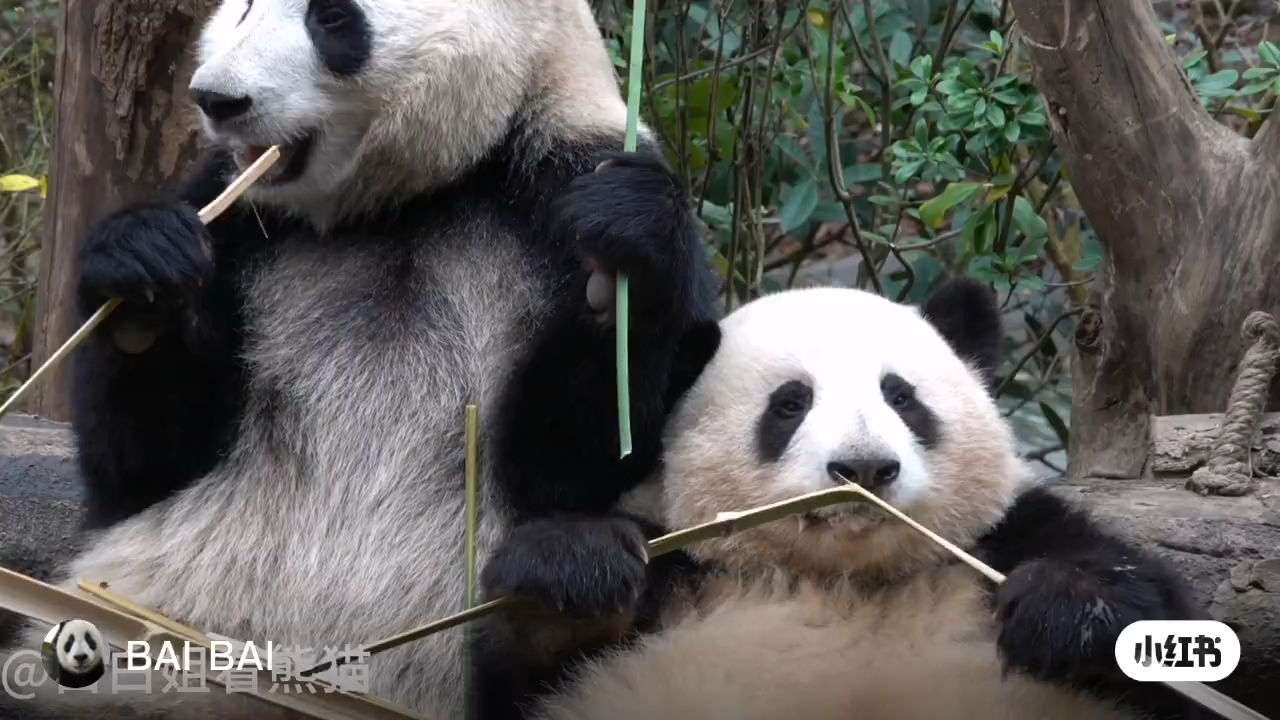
1177 650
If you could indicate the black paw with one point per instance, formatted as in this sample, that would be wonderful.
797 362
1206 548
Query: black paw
1059 620
585 568
156 257
631 216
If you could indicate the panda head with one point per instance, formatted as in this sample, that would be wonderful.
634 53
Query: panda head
79 647
895 397
372 100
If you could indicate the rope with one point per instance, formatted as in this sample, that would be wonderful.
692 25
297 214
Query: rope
1229 470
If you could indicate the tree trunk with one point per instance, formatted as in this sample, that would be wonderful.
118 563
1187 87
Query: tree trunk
123 129
1185 208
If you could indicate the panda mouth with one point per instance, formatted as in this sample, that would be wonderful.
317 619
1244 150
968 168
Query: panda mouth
290 166
844 517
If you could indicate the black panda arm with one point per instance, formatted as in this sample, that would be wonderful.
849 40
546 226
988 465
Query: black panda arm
1071 588
149 421
584 588
559 445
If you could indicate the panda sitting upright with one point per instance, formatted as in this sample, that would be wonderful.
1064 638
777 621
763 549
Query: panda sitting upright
844 612
271 424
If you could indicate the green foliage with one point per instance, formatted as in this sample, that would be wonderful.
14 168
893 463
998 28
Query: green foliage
908 143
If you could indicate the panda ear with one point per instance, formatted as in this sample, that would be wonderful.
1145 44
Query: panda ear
694 350
965 312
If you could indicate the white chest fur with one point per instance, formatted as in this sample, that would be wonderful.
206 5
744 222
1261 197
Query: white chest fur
338 515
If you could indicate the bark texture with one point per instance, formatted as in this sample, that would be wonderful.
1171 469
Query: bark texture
1185 208
123 128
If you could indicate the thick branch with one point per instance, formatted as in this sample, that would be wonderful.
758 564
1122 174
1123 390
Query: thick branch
1129 125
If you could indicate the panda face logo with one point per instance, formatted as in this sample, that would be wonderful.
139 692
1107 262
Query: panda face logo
73 653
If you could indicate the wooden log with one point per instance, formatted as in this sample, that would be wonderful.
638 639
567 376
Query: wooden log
124 128
1228 548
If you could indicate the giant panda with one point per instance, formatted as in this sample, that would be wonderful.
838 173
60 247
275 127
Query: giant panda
271 424
843 612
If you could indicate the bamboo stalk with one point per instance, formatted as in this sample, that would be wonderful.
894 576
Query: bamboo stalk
210 211
622 286
473 489
725 524
1197 691
121 620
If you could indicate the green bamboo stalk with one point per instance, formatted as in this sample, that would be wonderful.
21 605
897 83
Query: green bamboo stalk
725 524
621 300
473 486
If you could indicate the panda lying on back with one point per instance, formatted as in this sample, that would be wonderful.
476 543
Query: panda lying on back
271 424
844 613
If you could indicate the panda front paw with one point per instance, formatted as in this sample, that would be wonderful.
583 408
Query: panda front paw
631 216
156 257
585 568
1059 620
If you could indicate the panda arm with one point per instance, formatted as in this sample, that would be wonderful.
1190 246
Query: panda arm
559 442
584 591
1071 588
148 423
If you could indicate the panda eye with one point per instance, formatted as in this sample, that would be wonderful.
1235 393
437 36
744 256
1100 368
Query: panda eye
67 646
88 640
897 392
332 18
791 400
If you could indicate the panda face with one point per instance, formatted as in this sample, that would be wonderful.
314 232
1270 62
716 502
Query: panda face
287 72
79 647
370 96
810 384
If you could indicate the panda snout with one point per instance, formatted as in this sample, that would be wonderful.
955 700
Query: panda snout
220 107
80 657
873 473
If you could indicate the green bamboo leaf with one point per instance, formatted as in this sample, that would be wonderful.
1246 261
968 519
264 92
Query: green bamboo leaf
933 209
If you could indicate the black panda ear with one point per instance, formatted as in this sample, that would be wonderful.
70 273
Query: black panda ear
694 350
967 314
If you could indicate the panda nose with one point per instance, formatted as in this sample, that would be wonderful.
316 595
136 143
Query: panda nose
81 657
871 473
219 107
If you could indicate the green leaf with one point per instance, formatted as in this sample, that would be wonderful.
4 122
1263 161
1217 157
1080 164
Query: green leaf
802 198
1052 417
716 215
900 48
907 171
1012 132
922 67
1026 219
862 172
995 115
949 87
1269 53
1220 80
933 209
1087 264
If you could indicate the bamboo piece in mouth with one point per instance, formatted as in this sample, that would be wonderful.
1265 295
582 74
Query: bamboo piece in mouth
207 214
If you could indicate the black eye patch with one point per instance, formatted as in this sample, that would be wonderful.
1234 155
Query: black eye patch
786 409
340 31
901 396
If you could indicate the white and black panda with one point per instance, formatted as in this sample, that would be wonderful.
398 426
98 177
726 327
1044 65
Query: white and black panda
78 650
271 425
844 612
